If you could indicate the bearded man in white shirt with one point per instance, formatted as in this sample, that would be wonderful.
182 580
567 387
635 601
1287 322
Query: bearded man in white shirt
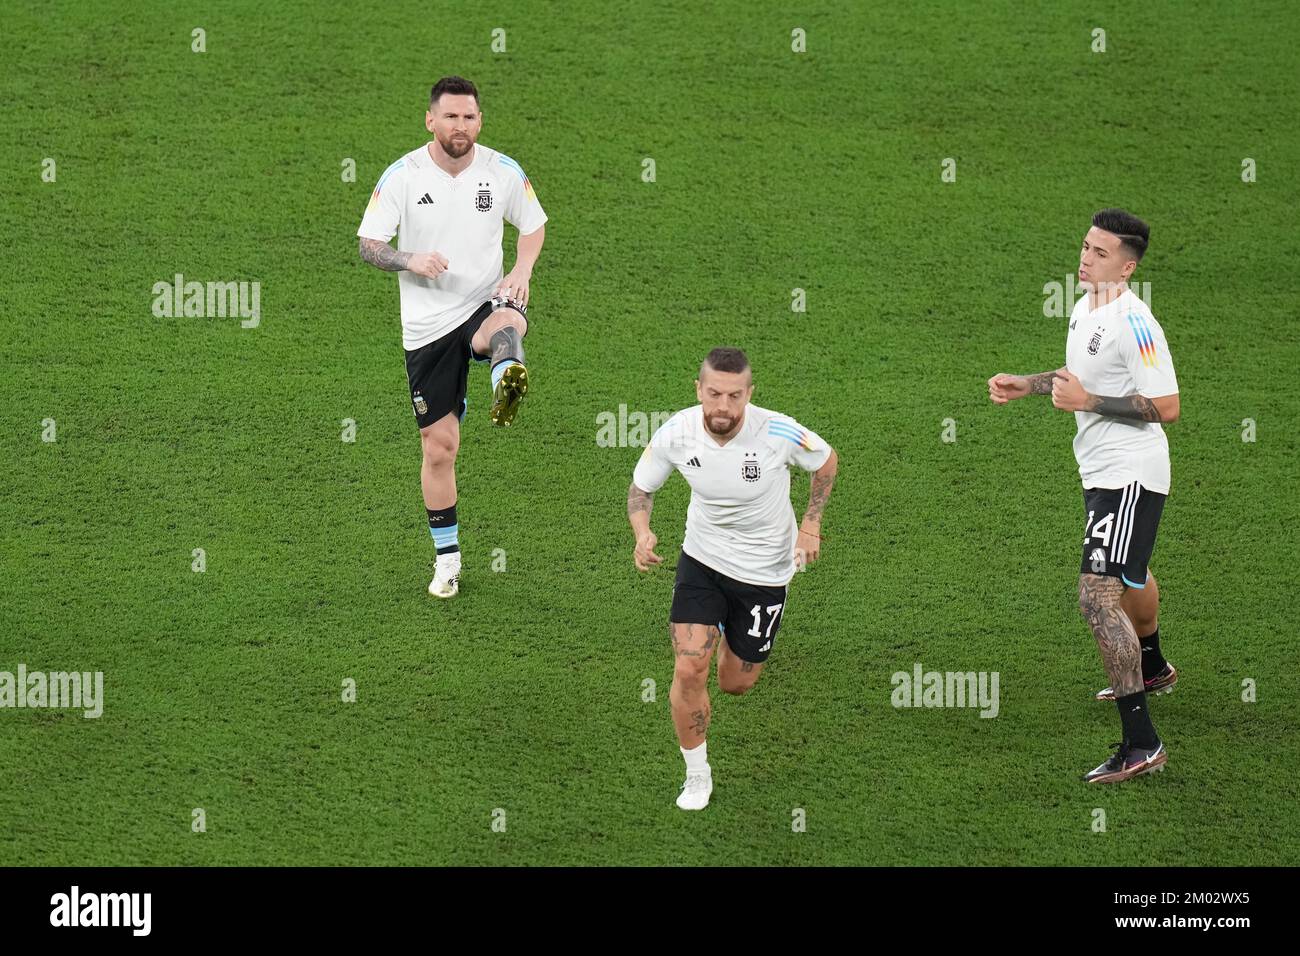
446 201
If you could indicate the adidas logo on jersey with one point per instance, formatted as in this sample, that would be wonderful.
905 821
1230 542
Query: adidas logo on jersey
694 463
425 200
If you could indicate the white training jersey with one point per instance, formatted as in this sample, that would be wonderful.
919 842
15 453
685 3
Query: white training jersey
740 521
1119 350
459 216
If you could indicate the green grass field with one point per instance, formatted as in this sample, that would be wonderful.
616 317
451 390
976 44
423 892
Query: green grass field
775 170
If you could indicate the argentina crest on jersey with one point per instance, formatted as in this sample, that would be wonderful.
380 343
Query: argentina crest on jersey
483 201
749 467
1094 343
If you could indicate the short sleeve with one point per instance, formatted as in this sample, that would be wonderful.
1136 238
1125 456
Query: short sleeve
655 466
522 210
1148 357
384 213
803 445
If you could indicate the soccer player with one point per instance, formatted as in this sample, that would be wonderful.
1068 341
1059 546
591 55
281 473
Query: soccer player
1118 379
741 541
446 201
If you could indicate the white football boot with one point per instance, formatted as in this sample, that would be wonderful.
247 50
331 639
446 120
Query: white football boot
696 791
446 576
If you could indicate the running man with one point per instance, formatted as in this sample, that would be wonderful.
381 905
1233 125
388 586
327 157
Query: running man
741 541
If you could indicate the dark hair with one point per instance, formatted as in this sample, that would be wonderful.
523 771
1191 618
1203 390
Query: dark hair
1132 231
727 360
456 85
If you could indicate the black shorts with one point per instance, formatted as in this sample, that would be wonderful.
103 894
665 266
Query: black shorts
748 614
438 371
1121 532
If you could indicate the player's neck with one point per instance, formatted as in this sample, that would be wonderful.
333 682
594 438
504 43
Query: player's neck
1108 295
448 164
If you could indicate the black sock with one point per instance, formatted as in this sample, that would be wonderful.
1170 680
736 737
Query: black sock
1153 662
1133 713
442 525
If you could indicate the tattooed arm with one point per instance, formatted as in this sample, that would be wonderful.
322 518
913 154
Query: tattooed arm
383 256
822 480
639 504
1041 384
1069 394
810 530
1003 387
1162 409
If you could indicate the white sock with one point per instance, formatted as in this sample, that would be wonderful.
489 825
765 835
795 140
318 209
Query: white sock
697 760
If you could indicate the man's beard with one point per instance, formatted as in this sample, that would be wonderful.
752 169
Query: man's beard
456 149
710 420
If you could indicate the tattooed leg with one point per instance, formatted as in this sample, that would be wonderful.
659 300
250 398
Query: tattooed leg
1121 652
693 646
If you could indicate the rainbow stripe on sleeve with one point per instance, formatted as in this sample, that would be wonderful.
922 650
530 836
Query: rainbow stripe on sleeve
1145 341
374 197
784 428
528 187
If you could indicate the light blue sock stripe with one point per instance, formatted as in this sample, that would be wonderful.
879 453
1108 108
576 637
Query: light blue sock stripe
443 537
500 369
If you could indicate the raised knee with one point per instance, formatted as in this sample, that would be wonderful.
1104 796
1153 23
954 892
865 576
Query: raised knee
503 318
